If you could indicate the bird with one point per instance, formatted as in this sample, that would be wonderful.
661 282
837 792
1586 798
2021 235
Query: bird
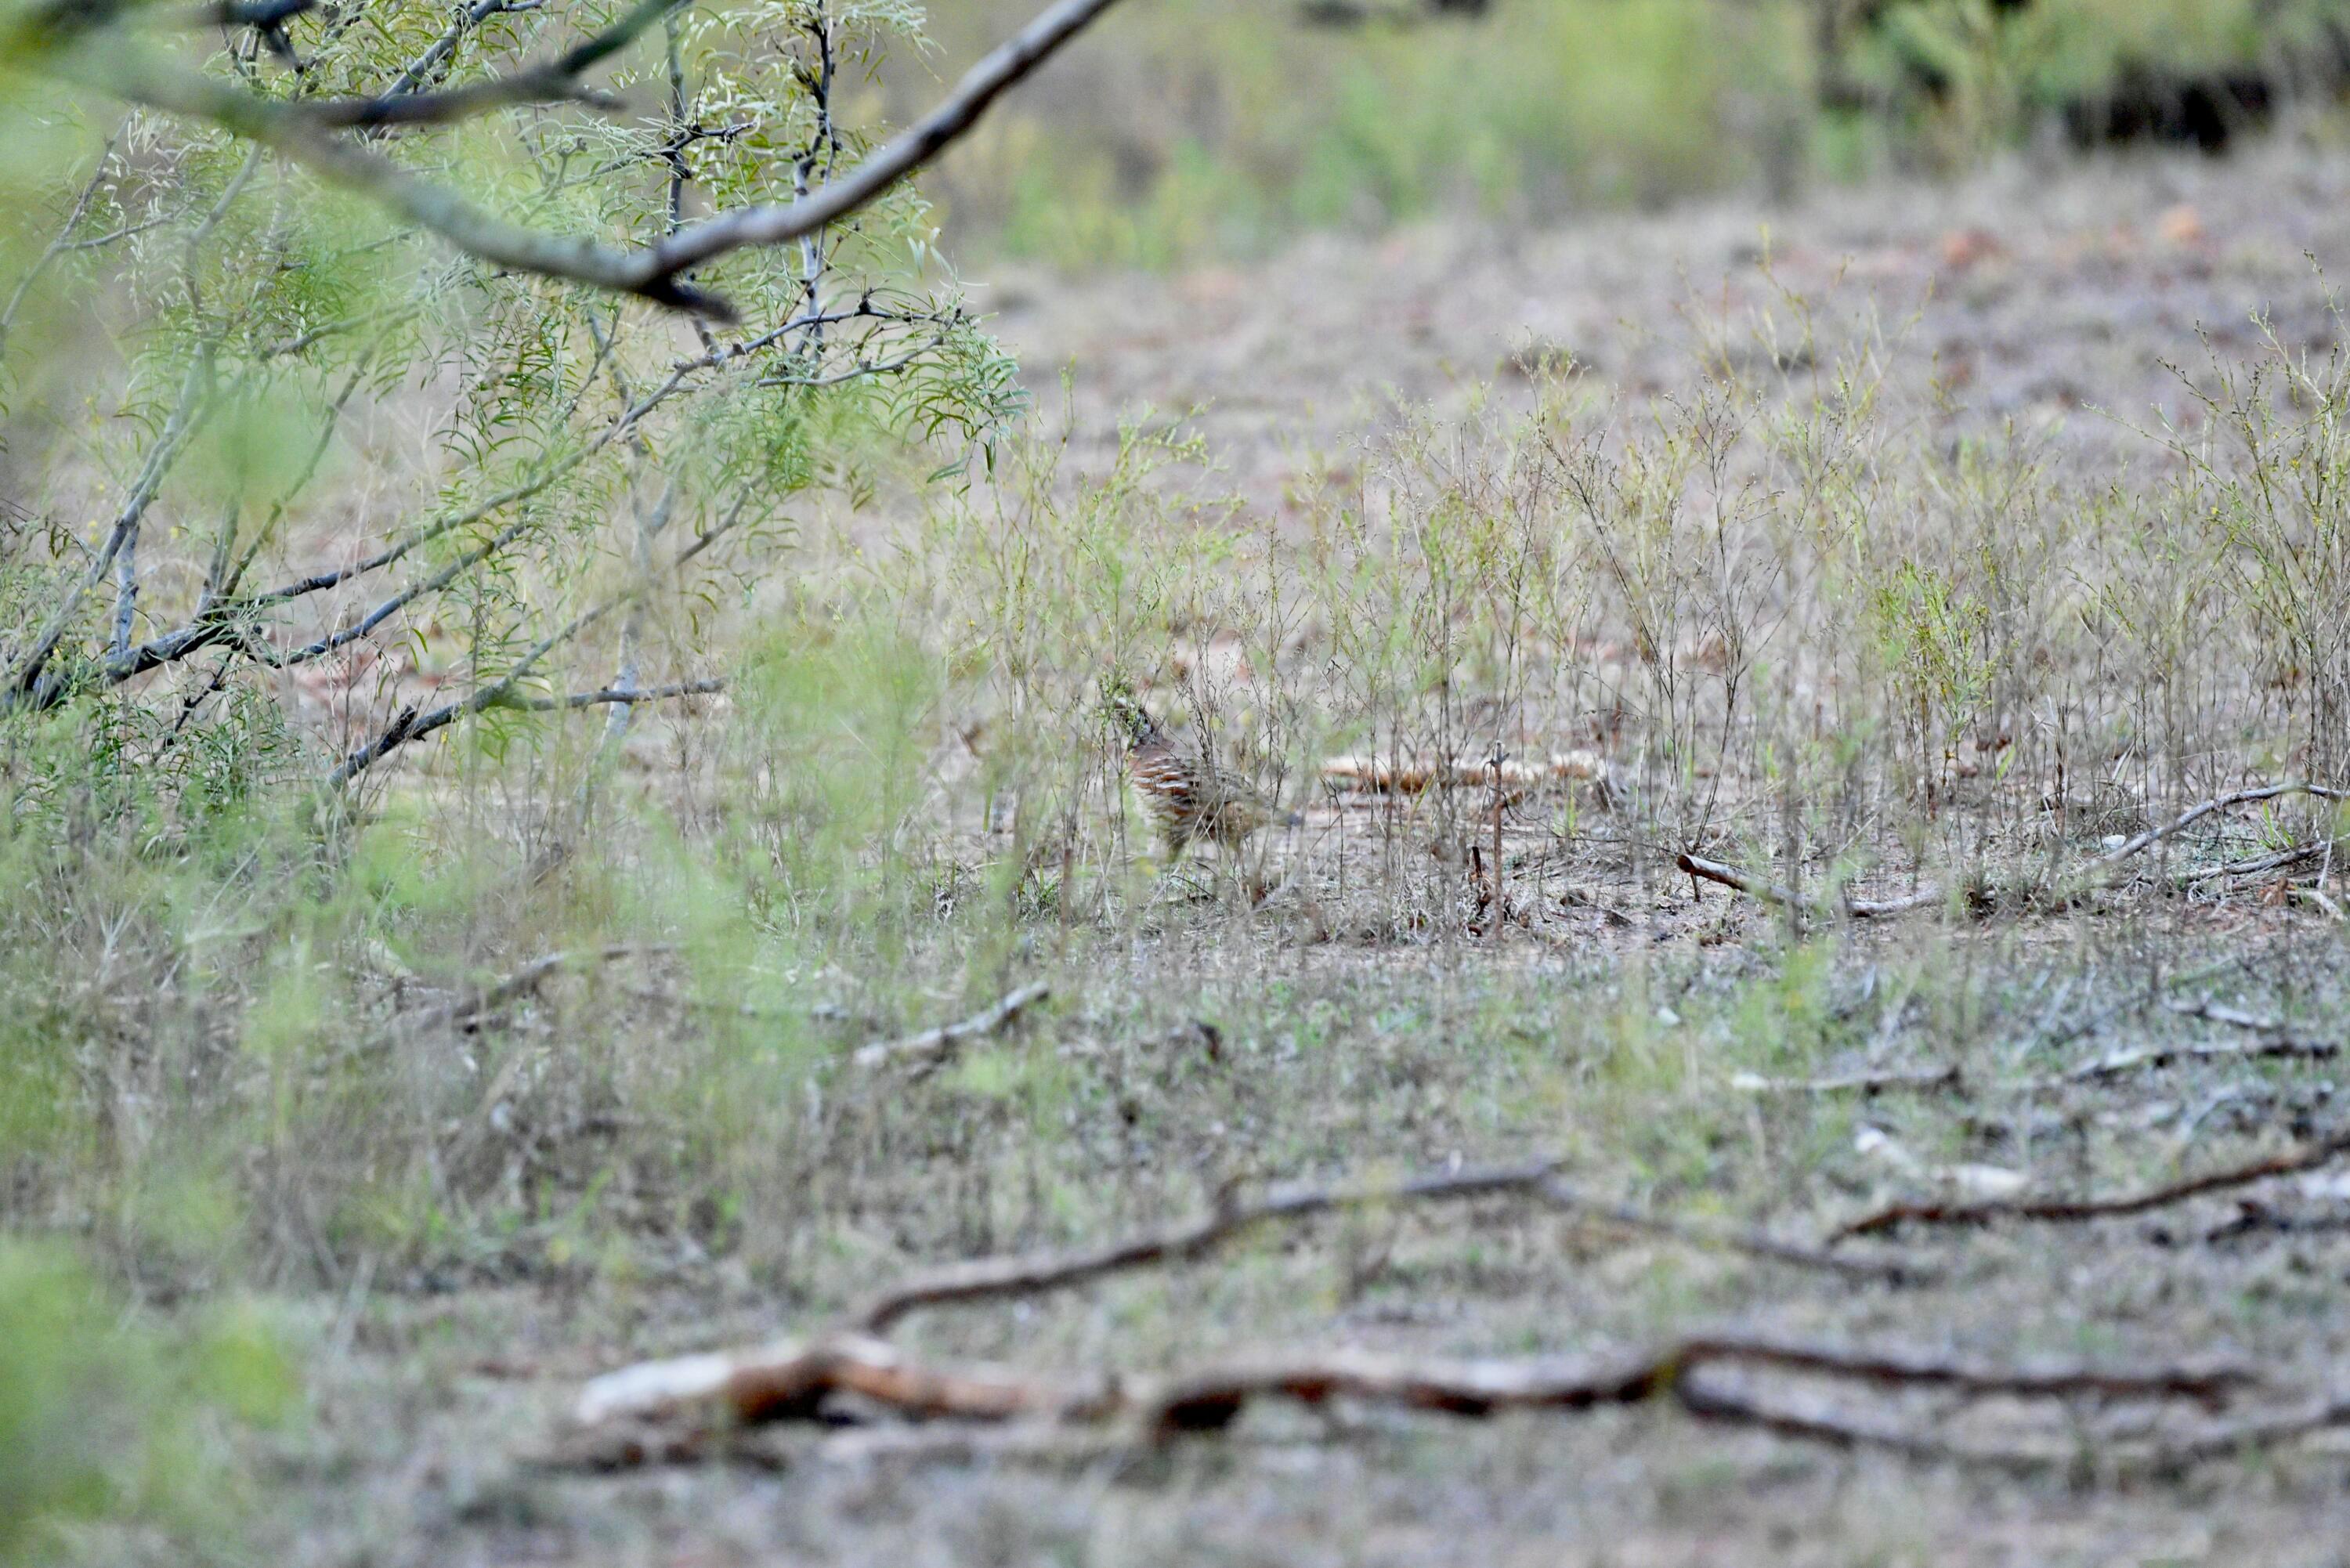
1187 797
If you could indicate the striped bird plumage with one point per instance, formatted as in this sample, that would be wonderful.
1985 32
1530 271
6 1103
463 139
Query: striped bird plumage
1185 796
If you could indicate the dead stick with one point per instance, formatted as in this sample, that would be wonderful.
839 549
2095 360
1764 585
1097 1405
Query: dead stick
2282 1048
528 977
792 1383
1754 1243
1771 892
2099 869
2195 814
984 1279
2114 1064
2068 1211
2229 1438
931 1046
1917 1078
789 1381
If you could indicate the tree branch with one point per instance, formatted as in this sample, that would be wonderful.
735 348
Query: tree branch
2073 1210
670 1408
655 272
553 81
932 1046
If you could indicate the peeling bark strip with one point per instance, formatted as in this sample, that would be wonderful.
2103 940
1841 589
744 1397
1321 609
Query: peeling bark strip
305 132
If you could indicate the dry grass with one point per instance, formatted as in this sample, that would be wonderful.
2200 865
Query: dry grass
1808 626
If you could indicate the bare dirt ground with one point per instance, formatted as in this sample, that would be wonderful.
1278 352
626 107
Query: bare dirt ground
1620 1039
2044 301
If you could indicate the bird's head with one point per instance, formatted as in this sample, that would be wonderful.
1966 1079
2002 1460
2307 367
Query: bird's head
1126 713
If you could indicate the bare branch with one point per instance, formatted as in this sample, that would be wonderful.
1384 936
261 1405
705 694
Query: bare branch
555 81
2281 1047
676 1400
412 726
619 695
1877 1082
788 1381
1752 1243
894 159
2102 871
931 1046
473 16
188 415
2068 1211
1031 1273
1787 898
479 1000
653 273
986 1279
2195 814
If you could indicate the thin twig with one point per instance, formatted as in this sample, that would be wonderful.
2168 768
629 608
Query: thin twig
1754 1243
474 1003
617 695
1034 1274
1787 898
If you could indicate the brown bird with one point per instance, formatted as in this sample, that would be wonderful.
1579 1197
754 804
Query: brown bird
1186 797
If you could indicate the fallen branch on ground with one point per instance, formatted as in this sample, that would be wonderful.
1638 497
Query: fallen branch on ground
2277 1048
1734 1239
2068 1211
789 1382
528 977
1771 892
2281 1047
2195 814
654 1409
2254 865
1877 1082
932 1046
2102 872
1034 1273
2235 1017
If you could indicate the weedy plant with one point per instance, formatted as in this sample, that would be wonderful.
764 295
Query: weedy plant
208 347
289 997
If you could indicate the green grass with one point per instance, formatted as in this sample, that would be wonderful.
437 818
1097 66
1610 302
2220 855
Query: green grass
1192 130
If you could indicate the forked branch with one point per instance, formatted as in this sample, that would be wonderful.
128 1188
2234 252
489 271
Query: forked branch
307 134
